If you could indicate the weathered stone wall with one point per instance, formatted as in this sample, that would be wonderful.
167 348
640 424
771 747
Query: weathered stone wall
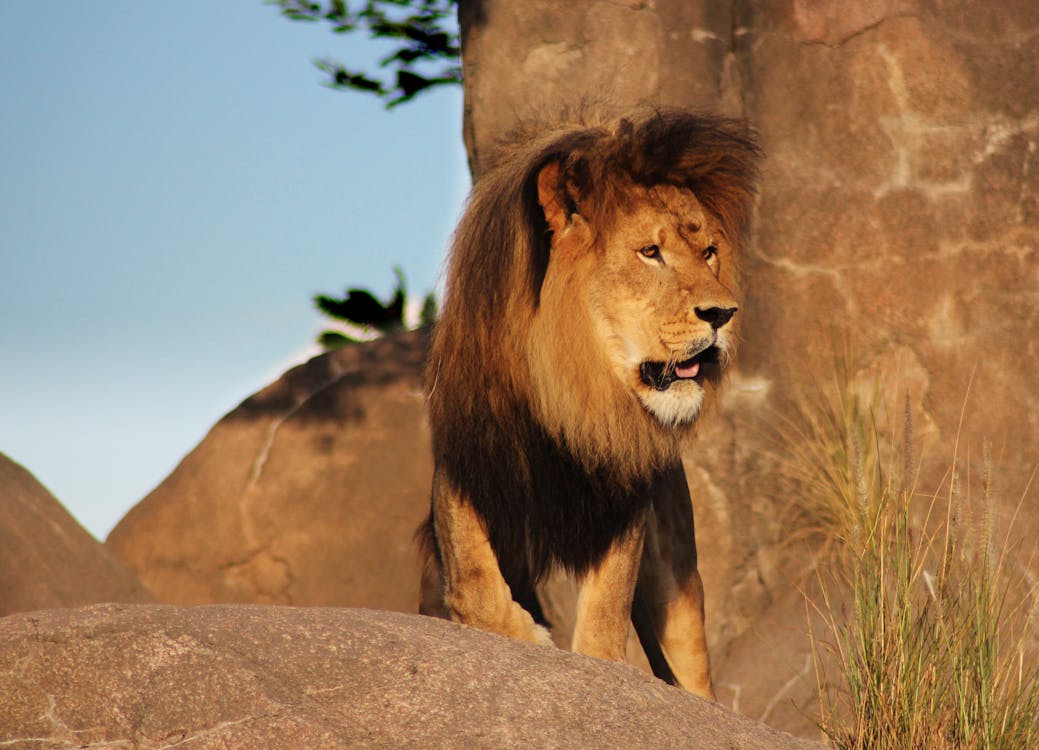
901 202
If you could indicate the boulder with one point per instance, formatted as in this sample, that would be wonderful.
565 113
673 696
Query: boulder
48 559
251 676
308 493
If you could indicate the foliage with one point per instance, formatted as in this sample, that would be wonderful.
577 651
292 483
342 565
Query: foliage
426 52
931 650
360 309
830 461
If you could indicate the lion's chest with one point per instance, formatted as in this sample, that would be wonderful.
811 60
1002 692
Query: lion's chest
543 508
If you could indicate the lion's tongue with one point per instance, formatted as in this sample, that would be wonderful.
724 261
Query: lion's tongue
687 371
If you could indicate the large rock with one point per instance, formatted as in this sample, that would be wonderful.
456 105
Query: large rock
47 559
308 493
246 676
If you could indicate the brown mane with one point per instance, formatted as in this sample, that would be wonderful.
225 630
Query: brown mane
500 254
486 407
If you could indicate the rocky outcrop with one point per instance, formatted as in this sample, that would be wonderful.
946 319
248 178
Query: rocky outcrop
246 676
47 559
308 493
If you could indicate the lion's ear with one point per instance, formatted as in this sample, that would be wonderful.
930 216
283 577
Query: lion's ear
550 196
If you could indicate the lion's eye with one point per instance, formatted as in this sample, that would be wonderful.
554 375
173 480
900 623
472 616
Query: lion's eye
710 252
650 251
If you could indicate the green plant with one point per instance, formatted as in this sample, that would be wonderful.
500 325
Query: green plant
424 34
831 461
360 309
925 643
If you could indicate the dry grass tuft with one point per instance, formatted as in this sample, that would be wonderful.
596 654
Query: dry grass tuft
925 646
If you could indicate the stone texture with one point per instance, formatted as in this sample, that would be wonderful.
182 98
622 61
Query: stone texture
47 560
522 59
248 676
307 493
900 203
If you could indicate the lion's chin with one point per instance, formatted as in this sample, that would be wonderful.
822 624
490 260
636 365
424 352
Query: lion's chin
673 392
677 405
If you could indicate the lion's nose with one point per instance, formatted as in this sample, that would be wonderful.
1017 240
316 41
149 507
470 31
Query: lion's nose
716 316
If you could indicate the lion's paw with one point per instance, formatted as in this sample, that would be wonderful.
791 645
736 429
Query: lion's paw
542 637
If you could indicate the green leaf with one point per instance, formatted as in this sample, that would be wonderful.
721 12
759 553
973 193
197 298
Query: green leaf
334 339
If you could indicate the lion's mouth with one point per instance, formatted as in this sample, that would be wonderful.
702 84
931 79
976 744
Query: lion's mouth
660 375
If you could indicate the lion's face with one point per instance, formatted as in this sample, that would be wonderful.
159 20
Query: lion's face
660 296
635 319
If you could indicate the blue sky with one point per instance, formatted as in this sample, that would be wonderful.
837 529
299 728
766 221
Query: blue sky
175 185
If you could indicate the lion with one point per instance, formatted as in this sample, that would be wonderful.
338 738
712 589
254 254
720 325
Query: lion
589 314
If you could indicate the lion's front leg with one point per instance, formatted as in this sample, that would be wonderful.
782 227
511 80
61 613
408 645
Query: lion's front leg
669 584
475 592
604 601
677 612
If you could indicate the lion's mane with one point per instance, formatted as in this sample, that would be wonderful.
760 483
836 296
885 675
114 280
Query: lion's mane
551 450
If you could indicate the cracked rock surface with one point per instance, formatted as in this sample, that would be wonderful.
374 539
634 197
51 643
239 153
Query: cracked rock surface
152 677
308 493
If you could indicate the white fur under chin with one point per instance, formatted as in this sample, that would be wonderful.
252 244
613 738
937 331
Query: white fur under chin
678 405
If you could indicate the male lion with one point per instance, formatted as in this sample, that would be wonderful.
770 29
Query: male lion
589 313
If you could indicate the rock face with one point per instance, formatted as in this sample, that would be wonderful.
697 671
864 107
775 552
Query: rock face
308 493
902 202
48 560
246 676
